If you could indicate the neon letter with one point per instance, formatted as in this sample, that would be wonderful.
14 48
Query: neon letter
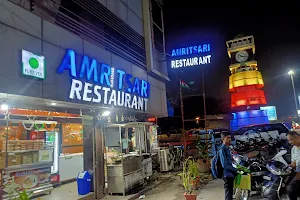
105 73
144 89
69 63
129 84
121 77
76 87
136 87
89 69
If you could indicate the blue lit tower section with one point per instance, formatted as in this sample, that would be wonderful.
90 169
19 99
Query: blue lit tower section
245 84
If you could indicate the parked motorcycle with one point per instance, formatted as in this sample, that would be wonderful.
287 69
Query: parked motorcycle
274 184
257 172
280 175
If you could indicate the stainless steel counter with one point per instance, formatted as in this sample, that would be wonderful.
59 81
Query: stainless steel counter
125 176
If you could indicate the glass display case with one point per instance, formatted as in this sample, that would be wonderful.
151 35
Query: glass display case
26 159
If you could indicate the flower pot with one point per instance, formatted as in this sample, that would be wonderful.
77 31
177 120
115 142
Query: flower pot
190 196
203 166
196 183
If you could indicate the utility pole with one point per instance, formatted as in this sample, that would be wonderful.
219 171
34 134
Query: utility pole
291 73
204 109
182 117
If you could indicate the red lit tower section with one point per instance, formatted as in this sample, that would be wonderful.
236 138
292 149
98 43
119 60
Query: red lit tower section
245 82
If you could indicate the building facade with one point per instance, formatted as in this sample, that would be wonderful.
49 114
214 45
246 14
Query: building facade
84 57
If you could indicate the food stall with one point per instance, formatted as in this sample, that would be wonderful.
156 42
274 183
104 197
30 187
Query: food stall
66 140
25 163
128 154
37 149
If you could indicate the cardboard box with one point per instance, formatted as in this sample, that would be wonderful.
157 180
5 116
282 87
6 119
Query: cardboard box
14 159
35 157
27 158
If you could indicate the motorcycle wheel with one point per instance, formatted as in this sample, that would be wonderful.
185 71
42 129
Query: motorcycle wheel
241 194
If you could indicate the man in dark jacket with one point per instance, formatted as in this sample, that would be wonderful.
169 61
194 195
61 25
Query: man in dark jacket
229 171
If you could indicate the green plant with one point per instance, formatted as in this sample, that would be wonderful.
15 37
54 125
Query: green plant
189 173
193 168
22 195
203 154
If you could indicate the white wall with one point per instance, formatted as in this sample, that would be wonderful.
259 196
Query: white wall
20 29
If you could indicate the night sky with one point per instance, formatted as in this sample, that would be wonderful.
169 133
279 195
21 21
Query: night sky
276 36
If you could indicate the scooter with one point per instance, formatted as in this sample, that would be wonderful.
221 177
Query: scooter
257 171
280 175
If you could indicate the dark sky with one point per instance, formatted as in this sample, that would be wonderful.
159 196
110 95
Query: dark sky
277 39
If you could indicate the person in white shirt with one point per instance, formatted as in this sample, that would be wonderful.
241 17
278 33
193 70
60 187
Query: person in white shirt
293 188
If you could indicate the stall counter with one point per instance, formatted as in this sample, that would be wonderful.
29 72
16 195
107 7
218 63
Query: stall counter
126 175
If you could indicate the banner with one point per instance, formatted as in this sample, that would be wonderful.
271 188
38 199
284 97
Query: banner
25 180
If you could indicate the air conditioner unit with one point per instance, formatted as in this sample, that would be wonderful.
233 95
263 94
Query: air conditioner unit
166 160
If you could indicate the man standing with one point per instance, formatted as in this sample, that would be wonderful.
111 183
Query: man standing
293 187
229 171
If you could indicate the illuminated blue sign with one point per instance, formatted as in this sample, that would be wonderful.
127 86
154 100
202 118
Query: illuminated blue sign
189 56
99 86
271 112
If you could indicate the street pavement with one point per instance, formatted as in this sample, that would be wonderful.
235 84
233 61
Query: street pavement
173 190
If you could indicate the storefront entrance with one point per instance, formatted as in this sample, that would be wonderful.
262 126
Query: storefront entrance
45 147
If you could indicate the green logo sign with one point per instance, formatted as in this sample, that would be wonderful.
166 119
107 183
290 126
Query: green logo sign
33 65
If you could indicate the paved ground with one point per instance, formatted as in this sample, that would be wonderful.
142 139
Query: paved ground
170 190
173 191
65 192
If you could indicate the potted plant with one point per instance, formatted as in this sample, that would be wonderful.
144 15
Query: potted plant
194 173
187 181
203 162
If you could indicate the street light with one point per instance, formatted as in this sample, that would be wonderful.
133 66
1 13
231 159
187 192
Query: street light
291 73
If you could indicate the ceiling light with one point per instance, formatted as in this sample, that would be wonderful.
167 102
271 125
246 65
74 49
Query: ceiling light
105 113
4 107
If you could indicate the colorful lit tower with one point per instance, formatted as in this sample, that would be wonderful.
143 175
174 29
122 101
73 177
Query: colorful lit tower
245 84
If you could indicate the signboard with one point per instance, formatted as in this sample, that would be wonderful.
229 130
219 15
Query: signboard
33 65
27 179
100 83
191 56
153 137
271 112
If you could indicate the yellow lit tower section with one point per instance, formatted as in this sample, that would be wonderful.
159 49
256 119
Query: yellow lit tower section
245 82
